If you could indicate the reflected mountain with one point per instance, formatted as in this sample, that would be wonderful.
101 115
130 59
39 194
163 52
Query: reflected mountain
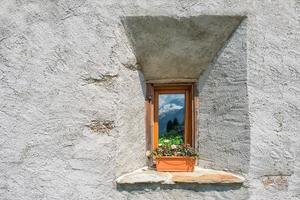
171 106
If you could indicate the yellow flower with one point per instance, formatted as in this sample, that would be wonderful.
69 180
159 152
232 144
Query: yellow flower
148 154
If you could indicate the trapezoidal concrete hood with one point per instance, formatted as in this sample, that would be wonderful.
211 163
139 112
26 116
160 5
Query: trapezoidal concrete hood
174 49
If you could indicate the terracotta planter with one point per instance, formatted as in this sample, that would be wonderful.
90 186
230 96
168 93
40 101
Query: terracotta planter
175 164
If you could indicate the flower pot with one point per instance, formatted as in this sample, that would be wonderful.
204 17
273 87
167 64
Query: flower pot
175 164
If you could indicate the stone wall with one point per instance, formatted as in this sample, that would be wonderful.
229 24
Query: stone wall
72 101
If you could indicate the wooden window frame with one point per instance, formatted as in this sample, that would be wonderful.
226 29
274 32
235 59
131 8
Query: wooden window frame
151 116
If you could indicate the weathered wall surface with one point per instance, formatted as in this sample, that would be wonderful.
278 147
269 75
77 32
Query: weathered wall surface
72 103
273 86
224 130
172 49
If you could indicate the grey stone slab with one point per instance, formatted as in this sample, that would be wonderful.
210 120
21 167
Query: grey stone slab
198 176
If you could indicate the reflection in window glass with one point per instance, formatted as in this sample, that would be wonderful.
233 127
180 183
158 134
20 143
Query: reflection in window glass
171 118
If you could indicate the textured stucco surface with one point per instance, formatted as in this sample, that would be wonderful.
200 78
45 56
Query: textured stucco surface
224 130
68 65
169 48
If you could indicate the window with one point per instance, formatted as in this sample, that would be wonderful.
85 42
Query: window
170 113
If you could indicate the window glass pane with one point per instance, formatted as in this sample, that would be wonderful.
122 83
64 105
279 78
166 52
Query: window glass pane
171 118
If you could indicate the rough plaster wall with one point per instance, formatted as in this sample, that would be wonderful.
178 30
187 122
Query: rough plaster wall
169 48
224 131
274 93
47 57
67 64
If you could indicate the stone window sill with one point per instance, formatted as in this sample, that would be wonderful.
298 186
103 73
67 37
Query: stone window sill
199 176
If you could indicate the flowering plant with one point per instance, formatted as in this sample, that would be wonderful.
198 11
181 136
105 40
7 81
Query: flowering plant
174 150
170 139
